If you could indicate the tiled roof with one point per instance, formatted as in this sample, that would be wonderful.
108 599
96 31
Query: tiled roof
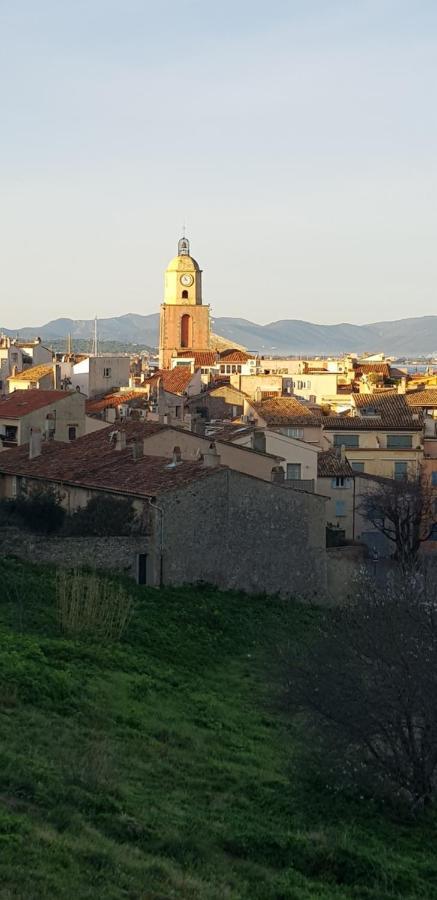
202 358
370 423
422 399
114 400
34 373
228 356
279 410
21 403
175 380
93 462
330 464
376 368
391 407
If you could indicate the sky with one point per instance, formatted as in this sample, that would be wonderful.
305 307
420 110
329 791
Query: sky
297 139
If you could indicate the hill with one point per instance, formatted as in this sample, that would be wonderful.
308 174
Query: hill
411 337
161 767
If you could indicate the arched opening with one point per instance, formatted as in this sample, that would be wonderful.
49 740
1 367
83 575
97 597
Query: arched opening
184 295
186 331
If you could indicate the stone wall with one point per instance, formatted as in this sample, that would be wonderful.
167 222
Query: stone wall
228 529
119 553
238 532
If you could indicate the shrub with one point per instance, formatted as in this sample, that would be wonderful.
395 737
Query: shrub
87 604
103 516
41 512
367 686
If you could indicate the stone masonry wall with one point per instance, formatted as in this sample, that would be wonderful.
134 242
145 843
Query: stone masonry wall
119 553
241 533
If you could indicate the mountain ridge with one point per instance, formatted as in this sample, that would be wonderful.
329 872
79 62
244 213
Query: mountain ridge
412 336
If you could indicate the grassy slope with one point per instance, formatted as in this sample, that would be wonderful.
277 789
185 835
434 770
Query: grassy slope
158 768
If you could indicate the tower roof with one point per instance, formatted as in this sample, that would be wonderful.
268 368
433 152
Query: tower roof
183 262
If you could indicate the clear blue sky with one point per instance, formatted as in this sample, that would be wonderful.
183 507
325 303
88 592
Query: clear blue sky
298 138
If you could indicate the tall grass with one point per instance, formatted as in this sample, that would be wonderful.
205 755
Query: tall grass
89 604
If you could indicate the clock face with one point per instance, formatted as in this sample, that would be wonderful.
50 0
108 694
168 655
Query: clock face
187 280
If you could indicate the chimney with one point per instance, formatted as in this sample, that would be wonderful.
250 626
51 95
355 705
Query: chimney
137 449
278 475
402 386
14 371
34 443
177 455
120 440
211 459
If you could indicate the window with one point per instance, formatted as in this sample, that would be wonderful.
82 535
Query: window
433 532
293 432
349 440
184 295
11 433
434 479
404 441
107 372
293 471
357 466
72 432
186 330
259 441
338 482
401 470
340 508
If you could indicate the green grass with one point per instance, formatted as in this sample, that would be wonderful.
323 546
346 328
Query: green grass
161 766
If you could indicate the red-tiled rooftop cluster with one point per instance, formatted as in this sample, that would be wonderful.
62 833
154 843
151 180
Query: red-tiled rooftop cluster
93 462
175 380
280 410
21 403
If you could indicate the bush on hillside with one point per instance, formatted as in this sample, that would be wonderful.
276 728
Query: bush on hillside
103 516
367 687
40 512
88 604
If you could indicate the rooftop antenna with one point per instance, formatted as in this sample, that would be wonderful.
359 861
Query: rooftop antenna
95 342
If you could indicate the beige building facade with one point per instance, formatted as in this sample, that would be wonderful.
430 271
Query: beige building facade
58 415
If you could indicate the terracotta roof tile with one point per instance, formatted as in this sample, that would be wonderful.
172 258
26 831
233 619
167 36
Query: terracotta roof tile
390 406
202 358
371 423
93 462
422 399
238 356
331 465
380 368
21 403
279 410
175 380
34 373
114 400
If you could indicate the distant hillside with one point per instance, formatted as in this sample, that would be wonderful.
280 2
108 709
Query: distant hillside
405 336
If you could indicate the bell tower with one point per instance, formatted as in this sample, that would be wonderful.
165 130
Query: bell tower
184 321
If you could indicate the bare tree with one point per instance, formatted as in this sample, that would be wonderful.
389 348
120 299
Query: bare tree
367 686
402 511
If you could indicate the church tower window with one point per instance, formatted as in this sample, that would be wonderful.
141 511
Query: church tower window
186 331
184 295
